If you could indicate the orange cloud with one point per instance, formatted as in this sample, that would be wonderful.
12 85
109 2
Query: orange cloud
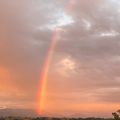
8 84
4 77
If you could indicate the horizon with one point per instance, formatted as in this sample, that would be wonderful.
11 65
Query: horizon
15 112
60 57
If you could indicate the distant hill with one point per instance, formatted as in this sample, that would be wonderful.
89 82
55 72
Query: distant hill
17 112
6 112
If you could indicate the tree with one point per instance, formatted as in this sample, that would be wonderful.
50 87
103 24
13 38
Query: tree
116 116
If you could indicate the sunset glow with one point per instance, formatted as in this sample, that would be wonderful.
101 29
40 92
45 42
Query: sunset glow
60 58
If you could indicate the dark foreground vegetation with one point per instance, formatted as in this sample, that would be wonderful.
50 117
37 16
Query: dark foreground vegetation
116 116
49 118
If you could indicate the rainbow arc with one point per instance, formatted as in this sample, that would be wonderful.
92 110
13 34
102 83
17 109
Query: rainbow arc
44 74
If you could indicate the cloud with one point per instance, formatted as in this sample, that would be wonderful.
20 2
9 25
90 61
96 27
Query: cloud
85 64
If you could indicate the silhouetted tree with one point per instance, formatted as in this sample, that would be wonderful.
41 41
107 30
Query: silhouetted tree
118 111
116 116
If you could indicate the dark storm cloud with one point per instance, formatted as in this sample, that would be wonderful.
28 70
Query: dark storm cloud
93 42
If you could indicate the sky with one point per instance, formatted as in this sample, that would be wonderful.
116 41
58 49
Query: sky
84 73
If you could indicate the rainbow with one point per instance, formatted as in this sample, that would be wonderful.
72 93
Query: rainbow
43 78
44 74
